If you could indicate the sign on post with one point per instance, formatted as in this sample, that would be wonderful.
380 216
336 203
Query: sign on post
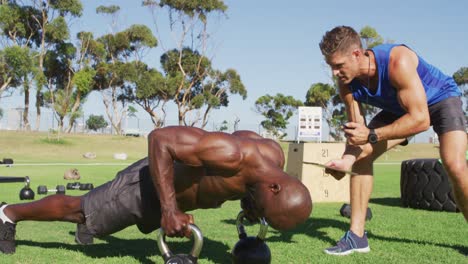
310 123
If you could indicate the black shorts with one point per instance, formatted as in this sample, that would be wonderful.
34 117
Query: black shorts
127 200
446 115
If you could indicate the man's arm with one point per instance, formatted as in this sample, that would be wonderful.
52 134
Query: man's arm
352 152
411 95
193 147
355 115
164 147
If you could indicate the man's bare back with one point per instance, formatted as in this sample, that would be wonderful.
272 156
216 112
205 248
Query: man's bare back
206 187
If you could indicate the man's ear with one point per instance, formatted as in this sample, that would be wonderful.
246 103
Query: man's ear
275 188
357 52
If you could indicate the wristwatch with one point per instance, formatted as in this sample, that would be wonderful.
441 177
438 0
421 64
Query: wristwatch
372 138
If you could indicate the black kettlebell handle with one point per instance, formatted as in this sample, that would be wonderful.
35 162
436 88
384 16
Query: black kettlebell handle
241 229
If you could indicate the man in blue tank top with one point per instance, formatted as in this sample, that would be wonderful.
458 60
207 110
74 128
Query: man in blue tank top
413 95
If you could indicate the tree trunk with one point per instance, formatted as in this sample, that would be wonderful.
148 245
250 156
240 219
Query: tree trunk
117 121
5 85
38 110
205 117
60 123
107 103
157 121
181 117
75 107
26 125
41 67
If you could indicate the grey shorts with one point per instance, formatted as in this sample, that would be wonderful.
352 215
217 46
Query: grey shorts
127 200
446 115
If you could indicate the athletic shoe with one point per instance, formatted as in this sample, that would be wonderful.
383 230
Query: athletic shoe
82 235
348 244
7 236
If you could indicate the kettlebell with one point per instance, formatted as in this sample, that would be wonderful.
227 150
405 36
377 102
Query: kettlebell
191 258
26 193
249 249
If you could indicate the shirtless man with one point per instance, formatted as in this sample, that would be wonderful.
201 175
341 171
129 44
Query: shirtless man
187 168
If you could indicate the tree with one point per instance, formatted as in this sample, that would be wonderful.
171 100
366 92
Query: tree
224 126
53 32
216 89
114 69
277 110
15 65
112 11
198 84
96 122
70 79
198 88
370 37
236 123
149 89
131 111
19 32
461 78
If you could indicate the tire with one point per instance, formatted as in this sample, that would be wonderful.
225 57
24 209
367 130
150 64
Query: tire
424 184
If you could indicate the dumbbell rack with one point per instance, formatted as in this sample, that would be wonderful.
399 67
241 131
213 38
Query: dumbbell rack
26 193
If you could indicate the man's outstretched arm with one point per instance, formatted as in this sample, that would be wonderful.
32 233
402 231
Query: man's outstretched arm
164 147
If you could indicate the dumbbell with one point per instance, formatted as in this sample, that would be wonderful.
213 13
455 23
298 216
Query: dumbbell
86 186
345 211
73 186
42 189
80 186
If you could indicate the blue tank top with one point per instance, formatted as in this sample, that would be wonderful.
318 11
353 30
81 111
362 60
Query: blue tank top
437 85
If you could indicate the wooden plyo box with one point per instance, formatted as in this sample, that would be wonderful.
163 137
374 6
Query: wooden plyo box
322 187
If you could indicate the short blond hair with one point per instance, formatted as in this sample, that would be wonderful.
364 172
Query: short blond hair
339 39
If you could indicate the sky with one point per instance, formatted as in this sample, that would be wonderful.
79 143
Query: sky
273 44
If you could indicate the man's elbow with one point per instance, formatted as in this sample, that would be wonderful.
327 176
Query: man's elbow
423 123
155 139
152 136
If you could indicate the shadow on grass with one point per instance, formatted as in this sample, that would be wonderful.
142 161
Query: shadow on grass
462 249
215 251
140 249
388 201
312 227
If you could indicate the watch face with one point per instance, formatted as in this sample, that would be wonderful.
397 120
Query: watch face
372 138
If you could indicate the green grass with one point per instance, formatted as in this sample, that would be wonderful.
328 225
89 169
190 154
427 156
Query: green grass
397 235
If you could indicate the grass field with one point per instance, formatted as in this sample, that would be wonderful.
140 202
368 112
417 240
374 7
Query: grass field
397 235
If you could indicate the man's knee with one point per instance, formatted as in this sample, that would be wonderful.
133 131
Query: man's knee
364 165
457 169
367 151
71 208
